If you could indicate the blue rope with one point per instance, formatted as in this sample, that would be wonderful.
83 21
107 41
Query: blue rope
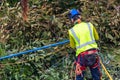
33 50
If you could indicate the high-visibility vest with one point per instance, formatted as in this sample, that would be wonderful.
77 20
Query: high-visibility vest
83 37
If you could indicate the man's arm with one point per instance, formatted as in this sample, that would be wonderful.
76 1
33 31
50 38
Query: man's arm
72 43
95 34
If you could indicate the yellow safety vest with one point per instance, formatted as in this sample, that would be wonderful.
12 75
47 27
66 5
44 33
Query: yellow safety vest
83 37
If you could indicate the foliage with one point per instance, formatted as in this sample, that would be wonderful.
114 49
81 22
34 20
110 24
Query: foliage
48 23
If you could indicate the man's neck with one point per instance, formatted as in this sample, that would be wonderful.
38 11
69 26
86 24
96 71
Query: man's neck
77 21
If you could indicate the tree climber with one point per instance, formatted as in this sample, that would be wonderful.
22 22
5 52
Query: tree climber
83 36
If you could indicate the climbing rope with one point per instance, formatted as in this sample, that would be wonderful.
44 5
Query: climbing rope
33 50
106 70
41 57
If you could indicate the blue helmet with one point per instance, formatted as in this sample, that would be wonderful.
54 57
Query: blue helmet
73 13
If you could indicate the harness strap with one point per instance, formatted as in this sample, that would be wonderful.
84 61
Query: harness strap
87 53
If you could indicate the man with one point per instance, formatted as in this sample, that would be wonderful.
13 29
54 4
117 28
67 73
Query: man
82 37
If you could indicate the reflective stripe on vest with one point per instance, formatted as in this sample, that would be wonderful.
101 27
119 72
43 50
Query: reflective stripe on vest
73 32
78 40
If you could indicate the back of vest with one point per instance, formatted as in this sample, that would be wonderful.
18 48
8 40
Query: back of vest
83 36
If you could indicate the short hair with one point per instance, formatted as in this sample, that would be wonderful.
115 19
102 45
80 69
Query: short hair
76 17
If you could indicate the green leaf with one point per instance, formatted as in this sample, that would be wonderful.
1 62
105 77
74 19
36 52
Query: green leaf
109 36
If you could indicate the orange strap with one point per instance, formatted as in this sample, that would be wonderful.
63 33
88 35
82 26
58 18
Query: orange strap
78 70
